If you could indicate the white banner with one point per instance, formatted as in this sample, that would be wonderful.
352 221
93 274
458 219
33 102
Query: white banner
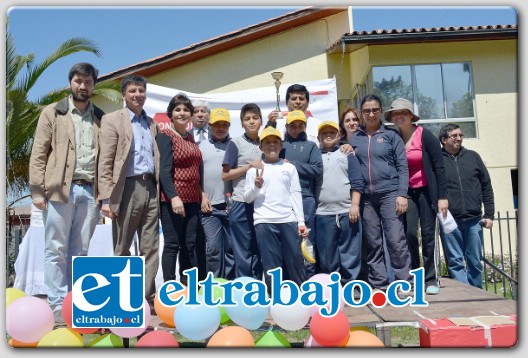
323 102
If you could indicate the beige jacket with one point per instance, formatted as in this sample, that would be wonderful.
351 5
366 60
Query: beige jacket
52 160
115 140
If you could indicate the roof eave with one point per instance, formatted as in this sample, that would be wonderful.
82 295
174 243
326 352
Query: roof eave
224 42
354 42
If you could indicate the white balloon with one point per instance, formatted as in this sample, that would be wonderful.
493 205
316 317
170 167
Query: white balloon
290 318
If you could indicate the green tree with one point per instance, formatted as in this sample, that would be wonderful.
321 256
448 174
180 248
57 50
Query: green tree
22 113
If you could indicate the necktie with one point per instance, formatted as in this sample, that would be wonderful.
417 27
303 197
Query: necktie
201 135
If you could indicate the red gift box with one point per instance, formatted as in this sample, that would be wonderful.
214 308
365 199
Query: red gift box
481 331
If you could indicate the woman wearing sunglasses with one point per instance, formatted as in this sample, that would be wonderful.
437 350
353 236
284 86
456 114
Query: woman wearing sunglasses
381 153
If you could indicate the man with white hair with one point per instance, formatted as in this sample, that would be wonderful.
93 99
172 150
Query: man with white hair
200 119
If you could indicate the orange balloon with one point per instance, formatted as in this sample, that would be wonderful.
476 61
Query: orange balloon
231 336
17 344
166 314
361 338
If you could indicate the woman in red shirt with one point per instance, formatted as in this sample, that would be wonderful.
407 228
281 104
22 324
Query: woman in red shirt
181 171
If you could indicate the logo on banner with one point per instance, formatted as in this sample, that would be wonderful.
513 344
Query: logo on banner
108 292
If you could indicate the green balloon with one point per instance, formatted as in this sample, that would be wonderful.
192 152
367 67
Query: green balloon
218 293
272 339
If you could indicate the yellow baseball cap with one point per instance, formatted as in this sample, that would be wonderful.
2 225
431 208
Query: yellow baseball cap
219 114
270 131
295 116
327 124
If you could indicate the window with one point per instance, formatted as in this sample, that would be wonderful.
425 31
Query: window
442 93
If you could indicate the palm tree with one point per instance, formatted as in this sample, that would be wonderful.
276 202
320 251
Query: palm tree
22 113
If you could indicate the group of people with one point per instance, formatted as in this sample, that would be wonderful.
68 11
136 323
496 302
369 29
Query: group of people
357 190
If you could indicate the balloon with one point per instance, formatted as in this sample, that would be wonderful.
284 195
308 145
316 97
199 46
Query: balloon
67 316
272 339
324 279
330 331
361 338
232 336
17 344
28 319
156 339
247 317
134 331
106 341
309 342
197 322
166 314
218 293
13 294
290 318
61 337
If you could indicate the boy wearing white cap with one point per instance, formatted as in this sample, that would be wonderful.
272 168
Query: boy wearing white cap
278 216
215 222
338 238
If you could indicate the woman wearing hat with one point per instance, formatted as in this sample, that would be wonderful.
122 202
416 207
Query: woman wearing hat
427 187
381 153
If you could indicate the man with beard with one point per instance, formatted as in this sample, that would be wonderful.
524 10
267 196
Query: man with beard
63 180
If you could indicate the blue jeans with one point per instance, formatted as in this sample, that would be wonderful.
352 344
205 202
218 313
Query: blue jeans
244 240
67 233
218 250
463 250
339 242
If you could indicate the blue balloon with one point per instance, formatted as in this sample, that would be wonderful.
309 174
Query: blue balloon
244 316
197 322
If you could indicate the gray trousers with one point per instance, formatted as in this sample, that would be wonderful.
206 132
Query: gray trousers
381 226
138 212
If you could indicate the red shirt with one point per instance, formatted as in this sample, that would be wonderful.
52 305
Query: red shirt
186 168
415 161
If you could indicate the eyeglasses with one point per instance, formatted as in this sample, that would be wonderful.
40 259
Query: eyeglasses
455 136
368 111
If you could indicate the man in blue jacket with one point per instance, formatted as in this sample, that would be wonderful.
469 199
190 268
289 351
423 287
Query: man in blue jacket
468 188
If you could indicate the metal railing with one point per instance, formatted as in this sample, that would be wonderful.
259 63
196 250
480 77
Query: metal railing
501 259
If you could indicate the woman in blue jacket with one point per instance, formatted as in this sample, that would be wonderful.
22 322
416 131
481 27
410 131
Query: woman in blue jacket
381 153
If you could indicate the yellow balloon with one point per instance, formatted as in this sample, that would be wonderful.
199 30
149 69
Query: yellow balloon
61 337
13 294
359 328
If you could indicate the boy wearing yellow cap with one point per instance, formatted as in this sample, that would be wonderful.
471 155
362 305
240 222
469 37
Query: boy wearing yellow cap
243 153
306 157
278 216
338 237
215 222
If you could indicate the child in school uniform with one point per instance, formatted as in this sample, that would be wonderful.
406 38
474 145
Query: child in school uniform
278 216
338 237
243 153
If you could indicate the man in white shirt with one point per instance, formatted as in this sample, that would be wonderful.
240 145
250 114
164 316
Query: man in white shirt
297 98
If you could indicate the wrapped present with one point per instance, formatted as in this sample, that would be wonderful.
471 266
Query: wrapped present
480 331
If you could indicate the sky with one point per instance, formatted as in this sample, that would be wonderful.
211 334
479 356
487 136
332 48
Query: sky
128 35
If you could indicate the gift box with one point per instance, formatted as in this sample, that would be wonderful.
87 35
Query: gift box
480 331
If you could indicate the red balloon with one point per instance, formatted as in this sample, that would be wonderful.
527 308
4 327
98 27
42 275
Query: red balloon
330 331
157 339
67 312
